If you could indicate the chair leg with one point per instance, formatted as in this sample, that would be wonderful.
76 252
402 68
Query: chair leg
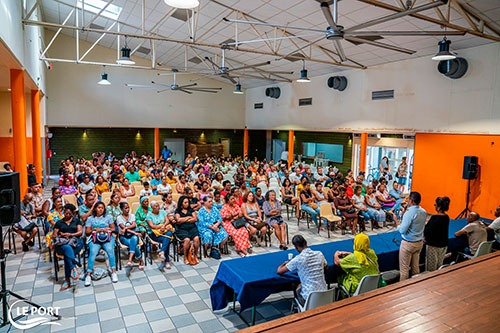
56 266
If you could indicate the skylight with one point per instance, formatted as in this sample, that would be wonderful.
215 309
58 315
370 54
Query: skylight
95 6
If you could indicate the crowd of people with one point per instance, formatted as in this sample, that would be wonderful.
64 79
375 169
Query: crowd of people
218 200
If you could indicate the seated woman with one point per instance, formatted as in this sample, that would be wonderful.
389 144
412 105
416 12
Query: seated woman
67 187
56 213
347 209
113 209
126 190
231 212
205 191
358 264
86 185
101 186
141 215
288 197
182 184
100 227
186 230
319 195
308 205
69 229
161 231
210 226
261 176
373 206
386 201
272 212
251 212
217 182
259 197
359 203
218 202
169 206
170 178
129 236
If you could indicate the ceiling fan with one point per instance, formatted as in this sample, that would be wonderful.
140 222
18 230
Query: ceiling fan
337 33
247 71
187 88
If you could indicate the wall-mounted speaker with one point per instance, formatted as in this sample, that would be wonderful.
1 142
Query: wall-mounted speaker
471 167
337 82
274 92
454 68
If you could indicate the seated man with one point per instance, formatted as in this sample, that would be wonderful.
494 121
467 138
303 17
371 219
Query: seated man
26 227
495 225
475 231
358 264
309 265
398 195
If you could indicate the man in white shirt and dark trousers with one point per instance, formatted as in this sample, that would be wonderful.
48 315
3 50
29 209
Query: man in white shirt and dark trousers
412 234
310 267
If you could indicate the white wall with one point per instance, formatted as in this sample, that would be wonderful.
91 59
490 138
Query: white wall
425 100
75 98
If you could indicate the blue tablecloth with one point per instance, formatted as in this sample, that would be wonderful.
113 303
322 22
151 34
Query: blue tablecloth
254 278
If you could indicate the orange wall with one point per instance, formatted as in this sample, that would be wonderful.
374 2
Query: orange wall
7 150
438 166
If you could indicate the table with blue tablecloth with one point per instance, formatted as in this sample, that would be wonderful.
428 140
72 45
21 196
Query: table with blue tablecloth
251 280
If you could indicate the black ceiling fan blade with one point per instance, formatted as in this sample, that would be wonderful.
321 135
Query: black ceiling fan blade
205 90
249 66
188 85
397 15
403 33
379 44
228 77
212 62
184 91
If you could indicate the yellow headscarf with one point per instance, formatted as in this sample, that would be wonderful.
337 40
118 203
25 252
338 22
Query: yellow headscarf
362 248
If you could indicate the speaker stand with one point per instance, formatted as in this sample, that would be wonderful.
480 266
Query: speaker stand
466 210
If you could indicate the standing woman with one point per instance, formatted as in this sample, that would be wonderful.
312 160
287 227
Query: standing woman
272 212
99 228
231 212
384 166
210 226
402 174
186 230
160 230
436 235
128 236
69 228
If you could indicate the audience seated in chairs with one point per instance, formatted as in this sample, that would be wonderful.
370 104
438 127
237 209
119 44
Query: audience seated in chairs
55 214
26 227
272 213
347 209
289 198
85 210
230 213
355 265
251 212
374 207
67 187
100 227
436 235
67 242
141 215
126 190
160 230
186 230
495 226
475 231
210 227
128 236
307 199
113 209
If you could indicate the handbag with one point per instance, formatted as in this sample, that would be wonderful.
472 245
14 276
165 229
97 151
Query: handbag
214 253
239 223
60 241
101 237
351 210
313 205
159 232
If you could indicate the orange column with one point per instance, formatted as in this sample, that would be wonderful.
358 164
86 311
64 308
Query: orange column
19 127
35 129
362 152
291 146
157 143
245 142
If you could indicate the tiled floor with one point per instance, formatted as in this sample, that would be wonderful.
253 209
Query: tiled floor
177 300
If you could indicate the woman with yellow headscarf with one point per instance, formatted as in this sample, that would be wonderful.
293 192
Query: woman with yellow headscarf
358 264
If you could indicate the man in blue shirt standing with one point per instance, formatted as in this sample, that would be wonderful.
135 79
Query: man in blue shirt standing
167 153
412 233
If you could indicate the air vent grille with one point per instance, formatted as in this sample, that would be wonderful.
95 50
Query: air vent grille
382 94
195 60
305 101
258 106
144 50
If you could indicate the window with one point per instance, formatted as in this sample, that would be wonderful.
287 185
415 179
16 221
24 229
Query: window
95 6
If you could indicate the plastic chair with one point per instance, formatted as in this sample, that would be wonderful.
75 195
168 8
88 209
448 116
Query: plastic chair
263 187
316 299
367 283
175 197
484 248
106 196
138 189
70 198
157 198
134 207
131 200
136 183
326 212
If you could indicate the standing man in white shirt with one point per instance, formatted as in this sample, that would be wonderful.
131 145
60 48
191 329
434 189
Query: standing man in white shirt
310 267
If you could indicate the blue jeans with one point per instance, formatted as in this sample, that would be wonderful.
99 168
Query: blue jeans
313 212
165 242
109 248
69 255
366 215
132 244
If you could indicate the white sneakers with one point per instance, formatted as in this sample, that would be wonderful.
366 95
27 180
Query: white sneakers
114 277
88 280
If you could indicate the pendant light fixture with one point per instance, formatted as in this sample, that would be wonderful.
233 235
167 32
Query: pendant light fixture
125 55
184 4
444 51
303 73
104 78
237 89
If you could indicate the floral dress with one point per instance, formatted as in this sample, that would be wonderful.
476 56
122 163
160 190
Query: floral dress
240 236
140 219
205 219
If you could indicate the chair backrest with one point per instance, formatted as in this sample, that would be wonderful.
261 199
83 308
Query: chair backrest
134 207
484 248
136 183
105 196
319 298
325 191
155 198
70 198
325 209
273 181
263 187
131 200
175 197
138 189
368 283
174 188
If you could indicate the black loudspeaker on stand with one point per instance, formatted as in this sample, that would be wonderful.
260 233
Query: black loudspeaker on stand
469 172
9 214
